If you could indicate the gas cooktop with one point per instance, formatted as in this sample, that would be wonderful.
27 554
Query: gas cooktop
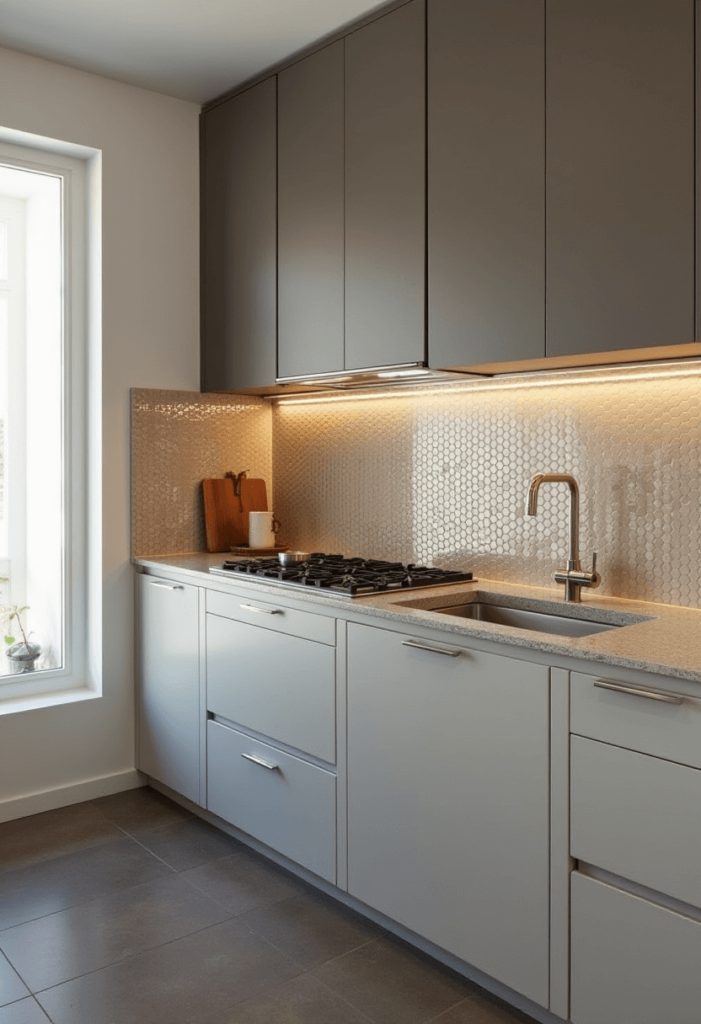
350 577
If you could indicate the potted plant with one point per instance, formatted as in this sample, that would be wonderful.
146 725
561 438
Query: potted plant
21 652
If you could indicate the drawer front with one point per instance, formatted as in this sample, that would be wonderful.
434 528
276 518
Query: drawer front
637 721
632 962
278 685
637 816
273 615
290 807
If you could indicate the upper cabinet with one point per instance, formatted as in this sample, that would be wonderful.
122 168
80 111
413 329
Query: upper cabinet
467 184
620 174
486 177
385 190
351 193
239 241
311 214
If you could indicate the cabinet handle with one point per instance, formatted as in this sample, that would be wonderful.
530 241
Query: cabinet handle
262 611
259 760
449 653
168 586
665 698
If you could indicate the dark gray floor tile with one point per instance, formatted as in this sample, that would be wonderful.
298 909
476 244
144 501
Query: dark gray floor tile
184 981
11 985
482 1010
74 878
26 1011
187 844
243 881
137 810
66 945
52 833
392 985
311 929
304 1000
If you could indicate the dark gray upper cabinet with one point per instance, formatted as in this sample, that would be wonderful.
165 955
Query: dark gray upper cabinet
385 190
239 241
620 174
486 180
310 214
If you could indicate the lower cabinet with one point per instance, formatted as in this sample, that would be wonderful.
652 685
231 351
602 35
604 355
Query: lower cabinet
168 645
448 799
282 800
271 709
633 961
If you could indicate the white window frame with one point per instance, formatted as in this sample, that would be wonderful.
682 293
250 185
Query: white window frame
79 677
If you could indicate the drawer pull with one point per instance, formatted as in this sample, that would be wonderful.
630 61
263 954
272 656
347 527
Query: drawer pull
261 611
168 586
261 761
665 698
449 653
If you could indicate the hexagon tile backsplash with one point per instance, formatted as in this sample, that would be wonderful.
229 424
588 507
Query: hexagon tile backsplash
440 476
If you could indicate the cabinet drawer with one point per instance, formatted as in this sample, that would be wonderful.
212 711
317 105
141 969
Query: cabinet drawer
273 615
637 721
278 685
290 807
633 962
637 816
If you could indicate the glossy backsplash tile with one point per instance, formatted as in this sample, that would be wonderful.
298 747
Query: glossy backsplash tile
442 477
180 438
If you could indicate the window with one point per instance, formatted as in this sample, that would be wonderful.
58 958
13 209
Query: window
45 366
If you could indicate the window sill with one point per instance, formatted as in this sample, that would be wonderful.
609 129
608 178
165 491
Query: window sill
15 703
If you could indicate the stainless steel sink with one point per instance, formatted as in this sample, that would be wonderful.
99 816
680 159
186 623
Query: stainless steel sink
543 622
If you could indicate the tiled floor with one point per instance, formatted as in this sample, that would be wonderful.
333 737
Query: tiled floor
129 910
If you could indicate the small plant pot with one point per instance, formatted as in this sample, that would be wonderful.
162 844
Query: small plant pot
23 656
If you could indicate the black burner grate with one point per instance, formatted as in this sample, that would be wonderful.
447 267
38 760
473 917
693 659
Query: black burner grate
353 577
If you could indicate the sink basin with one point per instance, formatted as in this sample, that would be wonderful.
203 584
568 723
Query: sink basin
521 618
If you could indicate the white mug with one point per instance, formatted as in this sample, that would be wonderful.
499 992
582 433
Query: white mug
262 527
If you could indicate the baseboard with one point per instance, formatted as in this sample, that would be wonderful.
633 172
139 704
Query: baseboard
63 796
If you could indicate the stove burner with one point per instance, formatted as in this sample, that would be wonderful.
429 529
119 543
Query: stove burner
353 577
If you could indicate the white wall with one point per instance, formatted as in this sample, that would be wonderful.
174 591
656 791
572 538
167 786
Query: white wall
150 329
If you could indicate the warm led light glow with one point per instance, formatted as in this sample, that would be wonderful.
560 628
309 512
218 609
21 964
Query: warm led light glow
627 373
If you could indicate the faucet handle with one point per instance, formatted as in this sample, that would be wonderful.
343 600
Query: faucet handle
594 575
593 562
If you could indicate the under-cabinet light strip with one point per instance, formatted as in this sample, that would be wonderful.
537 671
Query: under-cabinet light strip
517 381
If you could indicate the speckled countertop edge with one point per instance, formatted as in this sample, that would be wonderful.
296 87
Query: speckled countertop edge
667 641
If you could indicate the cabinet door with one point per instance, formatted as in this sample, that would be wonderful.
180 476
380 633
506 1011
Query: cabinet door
169 684
620 174
239 241
486 181
385 190
632 961
448 800
310 214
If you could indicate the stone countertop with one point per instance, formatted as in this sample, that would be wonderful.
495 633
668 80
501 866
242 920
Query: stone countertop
659 638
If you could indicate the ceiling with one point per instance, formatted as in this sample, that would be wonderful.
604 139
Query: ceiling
192 49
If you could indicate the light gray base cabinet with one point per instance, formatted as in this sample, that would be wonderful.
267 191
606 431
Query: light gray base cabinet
448 799
168 642
271 729
635 834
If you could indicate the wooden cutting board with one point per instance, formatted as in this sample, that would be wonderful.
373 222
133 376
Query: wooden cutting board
226 512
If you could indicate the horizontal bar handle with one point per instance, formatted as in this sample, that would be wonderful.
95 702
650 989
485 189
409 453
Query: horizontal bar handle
665 698
261 761
448 652
261 611
168 586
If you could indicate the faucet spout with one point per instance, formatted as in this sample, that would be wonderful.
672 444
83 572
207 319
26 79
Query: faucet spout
573 561
574 577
